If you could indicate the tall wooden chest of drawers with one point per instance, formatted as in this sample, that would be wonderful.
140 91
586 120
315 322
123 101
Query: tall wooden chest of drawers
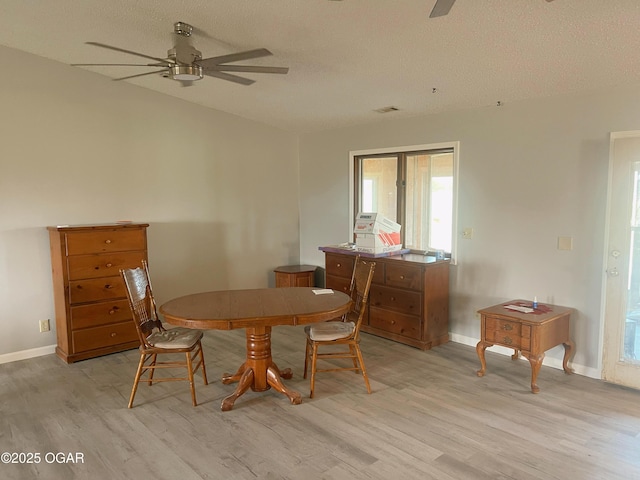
93 317
408 300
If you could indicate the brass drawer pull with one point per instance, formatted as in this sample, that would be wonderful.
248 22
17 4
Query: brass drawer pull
113 311
107 286
109 265
401 277
338 265
107 241
507 340
507 327
113 334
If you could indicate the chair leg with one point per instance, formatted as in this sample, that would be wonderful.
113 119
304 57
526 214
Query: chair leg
314 360
137 379
152 369
306 358
354 356
204 369
191 383
362 367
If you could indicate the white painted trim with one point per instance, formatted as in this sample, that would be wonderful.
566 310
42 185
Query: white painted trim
24 354
548 361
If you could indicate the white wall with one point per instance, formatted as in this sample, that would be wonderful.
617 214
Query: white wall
220 192
529 172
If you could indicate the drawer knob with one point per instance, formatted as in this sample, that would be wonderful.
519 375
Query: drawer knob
113 311
109 265
113 334
507 327
107 286
508 340
401 277
338 265
107 241
393 299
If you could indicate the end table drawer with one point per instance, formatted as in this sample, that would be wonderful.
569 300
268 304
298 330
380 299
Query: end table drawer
509 334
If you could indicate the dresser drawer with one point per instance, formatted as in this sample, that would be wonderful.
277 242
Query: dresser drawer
92 290
508 334
104 313
103 241
339 266
403 301
338 283
403 276
394 322
108 264
105 336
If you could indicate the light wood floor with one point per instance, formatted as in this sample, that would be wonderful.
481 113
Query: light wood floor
429 416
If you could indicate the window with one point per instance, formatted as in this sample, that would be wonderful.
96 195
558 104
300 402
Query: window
413 186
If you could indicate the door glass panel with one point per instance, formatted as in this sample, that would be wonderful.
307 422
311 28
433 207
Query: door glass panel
632 319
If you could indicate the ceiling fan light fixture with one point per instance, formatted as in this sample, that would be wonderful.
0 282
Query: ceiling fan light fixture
186 72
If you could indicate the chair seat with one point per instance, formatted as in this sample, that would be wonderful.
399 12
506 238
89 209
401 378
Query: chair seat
175 338
328 331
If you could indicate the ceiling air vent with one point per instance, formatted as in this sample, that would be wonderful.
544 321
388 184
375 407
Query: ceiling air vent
386 109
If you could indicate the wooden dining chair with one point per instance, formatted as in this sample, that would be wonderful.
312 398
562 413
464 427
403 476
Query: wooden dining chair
345 332
156 340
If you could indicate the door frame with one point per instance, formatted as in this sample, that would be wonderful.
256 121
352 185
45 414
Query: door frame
613 136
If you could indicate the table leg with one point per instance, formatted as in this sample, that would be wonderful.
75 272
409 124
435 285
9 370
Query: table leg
273 377
258 371
480 348
569 346
516 354
536 363
243 385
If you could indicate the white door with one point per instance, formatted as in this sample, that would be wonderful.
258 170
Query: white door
621 342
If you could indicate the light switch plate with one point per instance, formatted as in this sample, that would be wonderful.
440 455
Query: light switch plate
565 243
467 233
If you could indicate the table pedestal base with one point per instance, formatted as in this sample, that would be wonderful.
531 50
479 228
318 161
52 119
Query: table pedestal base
258 371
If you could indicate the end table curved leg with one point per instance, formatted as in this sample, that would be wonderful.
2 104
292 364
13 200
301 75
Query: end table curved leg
480 348
516 354
536 363
273 379
243 385
569 347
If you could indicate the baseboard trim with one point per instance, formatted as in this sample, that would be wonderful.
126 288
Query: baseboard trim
548 361
24 354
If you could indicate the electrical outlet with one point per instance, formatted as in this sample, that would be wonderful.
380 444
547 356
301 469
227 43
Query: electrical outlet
467 233
44 326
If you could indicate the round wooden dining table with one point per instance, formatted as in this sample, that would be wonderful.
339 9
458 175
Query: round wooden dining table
257 311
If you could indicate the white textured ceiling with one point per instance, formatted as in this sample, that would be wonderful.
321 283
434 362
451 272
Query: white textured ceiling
348 58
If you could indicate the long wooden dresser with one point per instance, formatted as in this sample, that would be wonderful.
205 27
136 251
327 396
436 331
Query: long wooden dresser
409 296
93 317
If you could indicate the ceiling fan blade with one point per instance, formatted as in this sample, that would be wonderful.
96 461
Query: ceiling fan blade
141 75
441 8
166 64
235 57
226 76
117 49
246 68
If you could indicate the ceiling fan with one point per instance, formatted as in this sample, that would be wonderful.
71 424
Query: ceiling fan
185 64
442 7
